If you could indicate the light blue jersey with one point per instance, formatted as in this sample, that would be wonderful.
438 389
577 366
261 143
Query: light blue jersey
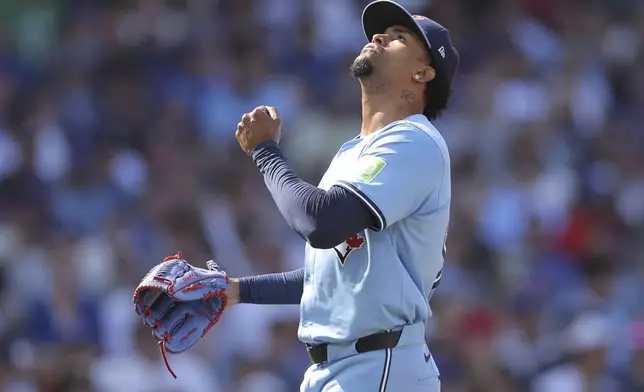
382 277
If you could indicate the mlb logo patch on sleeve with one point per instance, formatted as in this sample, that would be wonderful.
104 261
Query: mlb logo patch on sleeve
368 168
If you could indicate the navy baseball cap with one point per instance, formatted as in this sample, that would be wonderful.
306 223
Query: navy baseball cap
379 15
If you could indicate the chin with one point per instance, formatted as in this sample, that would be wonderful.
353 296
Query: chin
362 66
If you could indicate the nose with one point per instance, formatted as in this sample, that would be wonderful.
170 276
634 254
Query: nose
380 39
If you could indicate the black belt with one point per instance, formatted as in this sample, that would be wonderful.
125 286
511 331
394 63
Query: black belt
377 341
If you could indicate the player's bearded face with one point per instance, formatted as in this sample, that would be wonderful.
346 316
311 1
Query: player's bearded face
397 53
382 56
362 66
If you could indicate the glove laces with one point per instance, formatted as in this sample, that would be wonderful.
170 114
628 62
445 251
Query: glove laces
178 256
165 358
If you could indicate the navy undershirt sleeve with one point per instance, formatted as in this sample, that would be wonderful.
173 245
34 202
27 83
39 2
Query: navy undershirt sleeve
272 289
323 218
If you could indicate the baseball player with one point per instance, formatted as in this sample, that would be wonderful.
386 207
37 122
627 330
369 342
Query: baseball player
375 226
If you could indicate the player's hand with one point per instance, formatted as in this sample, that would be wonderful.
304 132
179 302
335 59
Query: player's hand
260 125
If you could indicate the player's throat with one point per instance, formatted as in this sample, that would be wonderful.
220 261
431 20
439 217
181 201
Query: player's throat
383 104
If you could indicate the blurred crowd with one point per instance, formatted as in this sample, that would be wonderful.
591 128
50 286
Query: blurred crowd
117 148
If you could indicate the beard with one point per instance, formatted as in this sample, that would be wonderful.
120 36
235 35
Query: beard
361 67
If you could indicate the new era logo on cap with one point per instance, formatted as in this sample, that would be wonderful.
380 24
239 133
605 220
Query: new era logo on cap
441 50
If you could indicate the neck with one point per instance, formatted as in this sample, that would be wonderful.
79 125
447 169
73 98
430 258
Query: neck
383 104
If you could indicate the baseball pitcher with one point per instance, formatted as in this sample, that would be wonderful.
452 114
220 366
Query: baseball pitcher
375 225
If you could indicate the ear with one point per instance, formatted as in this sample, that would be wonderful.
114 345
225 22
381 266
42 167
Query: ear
425 75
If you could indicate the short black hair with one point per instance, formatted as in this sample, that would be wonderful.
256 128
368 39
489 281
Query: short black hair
437 94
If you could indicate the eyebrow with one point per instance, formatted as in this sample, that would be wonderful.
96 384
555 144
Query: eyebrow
401 30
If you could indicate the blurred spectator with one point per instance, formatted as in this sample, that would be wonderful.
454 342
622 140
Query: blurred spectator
635 371
142 369
525 347
585 343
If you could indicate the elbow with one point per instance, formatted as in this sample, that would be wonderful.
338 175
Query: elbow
322 239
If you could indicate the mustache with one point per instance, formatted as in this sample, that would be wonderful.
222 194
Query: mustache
376 48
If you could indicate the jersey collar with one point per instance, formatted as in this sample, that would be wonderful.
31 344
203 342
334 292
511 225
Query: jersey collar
412 118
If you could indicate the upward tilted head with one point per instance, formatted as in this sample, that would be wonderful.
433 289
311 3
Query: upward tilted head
406 53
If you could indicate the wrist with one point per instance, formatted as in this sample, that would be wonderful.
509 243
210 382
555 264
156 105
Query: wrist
265 146
232 292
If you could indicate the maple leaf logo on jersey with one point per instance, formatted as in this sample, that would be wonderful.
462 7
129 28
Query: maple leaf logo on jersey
344 249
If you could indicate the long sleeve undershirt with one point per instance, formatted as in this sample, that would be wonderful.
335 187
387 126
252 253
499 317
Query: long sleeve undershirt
284 288
323 218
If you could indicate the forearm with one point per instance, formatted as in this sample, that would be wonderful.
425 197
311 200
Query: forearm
322 218
271 289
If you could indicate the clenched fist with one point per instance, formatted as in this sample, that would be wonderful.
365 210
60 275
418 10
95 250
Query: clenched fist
258 126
